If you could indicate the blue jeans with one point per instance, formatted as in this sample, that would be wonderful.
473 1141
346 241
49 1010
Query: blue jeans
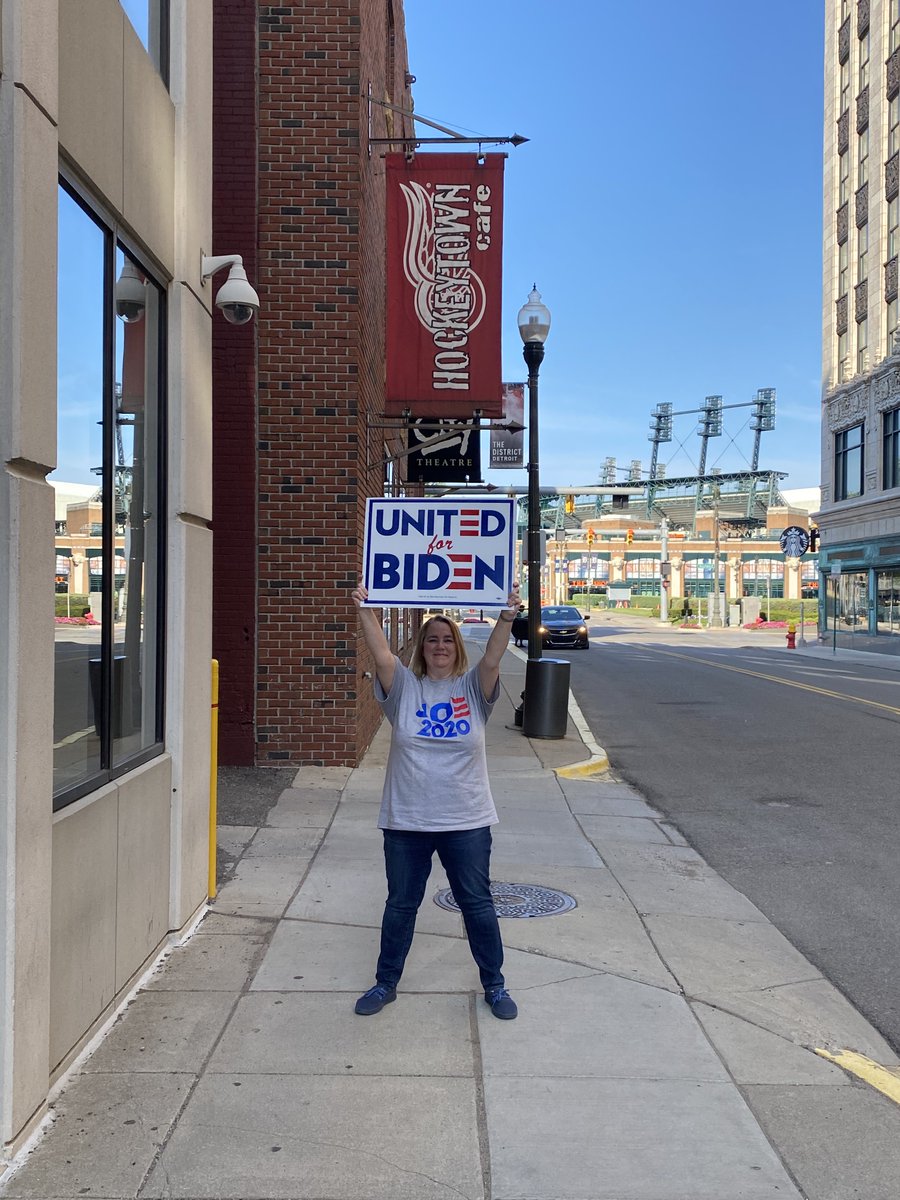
465 855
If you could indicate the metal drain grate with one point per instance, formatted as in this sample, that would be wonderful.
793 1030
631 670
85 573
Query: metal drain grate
518 900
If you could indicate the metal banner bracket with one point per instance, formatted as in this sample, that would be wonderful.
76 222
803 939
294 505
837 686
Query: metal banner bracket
410 143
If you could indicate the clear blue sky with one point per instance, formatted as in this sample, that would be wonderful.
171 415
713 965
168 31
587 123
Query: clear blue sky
668 205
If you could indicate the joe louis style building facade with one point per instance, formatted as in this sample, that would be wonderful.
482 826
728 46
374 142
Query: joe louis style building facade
860 516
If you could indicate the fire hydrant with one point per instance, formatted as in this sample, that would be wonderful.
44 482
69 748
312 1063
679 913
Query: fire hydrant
792 636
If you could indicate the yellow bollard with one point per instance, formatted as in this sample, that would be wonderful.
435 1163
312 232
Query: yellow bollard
213 768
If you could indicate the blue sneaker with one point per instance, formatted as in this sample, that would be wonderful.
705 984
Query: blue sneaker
502 1003
374 1000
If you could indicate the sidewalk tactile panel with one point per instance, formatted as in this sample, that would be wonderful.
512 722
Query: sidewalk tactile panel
518 900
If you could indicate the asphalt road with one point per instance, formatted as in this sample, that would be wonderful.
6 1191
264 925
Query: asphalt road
780 769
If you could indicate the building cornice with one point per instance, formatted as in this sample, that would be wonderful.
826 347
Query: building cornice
851 402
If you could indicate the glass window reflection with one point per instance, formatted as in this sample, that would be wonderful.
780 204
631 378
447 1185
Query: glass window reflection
888 603
136 505
853 602
110 501
78 486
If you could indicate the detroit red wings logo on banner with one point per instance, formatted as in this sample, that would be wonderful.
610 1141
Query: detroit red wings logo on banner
444 271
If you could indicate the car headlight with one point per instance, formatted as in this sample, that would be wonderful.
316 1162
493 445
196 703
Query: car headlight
542 629
582 628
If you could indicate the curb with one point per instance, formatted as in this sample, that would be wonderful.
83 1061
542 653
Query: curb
598 763
874 1074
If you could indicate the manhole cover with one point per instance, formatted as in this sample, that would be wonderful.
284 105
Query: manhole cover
518 900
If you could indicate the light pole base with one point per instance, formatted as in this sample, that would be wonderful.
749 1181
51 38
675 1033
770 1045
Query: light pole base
546 697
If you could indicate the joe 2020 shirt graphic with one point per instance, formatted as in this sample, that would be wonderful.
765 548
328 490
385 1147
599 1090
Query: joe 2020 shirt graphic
448 719
452 552
436 777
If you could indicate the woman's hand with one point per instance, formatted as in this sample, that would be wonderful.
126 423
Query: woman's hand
513 602
489 667
359 595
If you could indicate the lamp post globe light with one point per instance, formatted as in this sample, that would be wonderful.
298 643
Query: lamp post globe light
534 325
546 682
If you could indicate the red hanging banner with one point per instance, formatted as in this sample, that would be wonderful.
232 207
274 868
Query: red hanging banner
444 277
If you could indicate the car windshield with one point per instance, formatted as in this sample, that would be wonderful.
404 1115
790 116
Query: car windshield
560 614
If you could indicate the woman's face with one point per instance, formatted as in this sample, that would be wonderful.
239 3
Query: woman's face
439 650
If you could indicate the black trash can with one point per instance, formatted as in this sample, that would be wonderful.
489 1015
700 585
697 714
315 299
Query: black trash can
546 697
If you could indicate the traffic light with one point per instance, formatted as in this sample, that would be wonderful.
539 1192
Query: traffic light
629 536
570 504
813 538
590 537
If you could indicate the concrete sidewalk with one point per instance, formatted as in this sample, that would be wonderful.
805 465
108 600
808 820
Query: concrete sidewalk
664 1050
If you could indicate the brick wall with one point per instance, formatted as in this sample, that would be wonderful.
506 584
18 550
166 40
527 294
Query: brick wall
234 380
319 357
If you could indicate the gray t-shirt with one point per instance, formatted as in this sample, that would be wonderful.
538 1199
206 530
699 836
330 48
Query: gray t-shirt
437 777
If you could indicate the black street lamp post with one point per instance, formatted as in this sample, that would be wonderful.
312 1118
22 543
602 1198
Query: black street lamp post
534 325
546 681
534 355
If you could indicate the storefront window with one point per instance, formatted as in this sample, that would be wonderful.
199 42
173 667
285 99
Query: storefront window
887 604
108 684
588 570
698 575
763 577
642 568
853 602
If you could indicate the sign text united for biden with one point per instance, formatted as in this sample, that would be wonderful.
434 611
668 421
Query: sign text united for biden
439 553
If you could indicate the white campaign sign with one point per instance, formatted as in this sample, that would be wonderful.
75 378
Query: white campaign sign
439 553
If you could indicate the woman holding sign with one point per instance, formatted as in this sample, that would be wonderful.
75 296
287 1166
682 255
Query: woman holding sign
437 796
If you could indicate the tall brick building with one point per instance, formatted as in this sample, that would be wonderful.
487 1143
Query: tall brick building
297 192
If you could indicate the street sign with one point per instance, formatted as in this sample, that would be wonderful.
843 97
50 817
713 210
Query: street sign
794 541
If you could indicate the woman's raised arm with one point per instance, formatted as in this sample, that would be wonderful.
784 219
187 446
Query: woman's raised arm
370 621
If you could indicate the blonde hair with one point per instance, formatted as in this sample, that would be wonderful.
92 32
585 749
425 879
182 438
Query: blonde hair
417 663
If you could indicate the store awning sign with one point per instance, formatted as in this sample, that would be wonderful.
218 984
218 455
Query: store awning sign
444 273
443 553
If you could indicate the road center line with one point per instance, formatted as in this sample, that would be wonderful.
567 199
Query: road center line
806 687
